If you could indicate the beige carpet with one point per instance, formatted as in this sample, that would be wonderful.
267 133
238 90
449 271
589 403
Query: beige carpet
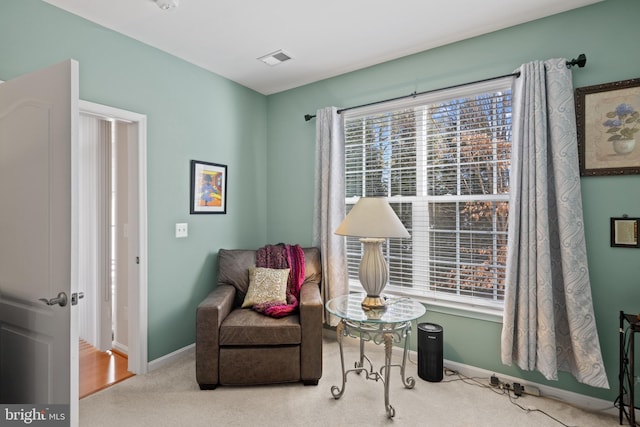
170 397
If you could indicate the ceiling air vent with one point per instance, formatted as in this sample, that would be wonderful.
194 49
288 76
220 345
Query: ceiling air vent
275 58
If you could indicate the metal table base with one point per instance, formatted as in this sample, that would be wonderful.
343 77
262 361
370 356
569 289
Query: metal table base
379 333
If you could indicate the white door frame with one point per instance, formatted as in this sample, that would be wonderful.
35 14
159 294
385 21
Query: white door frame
137 313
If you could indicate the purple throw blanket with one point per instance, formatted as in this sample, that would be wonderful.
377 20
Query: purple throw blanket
282 256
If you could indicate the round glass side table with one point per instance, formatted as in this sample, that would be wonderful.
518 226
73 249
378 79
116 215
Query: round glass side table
386 326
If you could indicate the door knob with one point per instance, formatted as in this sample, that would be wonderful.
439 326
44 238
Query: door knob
61 300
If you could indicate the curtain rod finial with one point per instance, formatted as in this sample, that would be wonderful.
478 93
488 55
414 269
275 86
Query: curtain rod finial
580 62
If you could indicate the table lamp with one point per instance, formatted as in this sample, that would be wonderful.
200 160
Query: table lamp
373 220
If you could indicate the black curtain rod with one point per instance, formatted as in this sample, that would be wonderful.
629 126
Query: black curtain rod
580 62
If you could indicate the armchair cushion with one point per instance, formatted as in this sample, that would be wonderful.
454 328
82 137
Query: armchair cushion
250 328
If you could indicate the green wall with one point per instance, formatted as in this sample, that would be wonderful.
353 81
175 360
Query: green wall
192 114
608 33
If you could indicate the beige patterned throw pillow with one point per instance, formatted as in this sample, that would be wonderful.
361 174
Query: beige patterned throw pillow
266 285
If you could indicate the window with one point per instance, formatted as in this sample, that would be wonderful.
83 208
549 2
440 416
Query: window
442 160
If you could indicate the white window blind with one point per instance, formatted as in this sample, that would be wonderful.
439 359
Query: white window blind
442 160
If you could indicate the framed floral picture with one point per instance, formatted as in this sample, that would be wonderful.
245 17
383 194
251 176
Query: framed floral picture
608 120
208 188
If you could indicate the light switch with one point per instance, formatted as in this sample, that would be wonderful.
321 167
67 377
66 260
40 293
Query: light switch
182 229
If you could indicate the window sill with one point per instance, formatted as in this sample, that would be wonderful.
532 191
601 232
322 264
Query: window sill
434 305
461 310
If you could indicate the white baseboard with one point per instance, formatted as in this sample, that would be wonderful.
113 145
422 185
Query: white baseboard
120 347
168 358
582 401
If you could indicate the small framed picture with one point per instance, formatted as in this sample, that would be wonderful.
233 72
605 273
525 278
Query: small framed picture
608 121
624 232
208 188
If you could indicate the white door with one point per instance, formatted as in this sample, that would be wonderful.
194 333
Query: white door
38 240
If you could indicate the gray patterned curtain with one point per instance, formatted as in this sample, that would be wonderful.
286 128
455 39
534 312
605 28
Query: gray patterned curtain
329 206
549 324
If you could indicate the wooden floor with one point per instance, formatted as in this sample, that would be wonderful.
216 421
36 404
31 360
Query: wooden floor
99 370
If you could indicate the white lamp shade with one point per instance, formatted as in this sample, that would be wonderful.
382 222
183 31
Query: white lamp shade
372 217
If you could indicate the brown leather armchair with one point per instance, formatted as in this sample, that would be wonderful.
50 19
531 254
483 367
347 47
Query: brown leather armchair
236 346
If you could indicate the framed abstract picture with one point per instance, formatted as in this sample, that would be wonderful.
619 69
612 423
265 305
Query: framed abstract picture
208 188
608 120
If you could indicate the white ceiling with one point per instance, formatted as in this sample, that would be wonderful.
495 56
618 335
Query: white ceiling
325 38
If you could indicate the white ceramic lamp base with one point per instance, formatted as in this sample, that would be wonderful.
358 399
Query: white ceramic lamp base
373 273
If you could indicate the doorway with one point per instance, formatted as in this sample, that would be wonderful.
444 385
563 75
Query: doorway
113 272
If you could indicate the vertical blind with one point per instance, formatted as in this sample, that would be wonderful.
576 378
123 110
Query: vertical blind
442 160
93 171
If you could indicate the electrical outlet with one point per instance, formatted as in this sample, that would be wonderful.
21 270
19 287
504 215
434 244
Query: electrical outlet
495 381
531 390
182 230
